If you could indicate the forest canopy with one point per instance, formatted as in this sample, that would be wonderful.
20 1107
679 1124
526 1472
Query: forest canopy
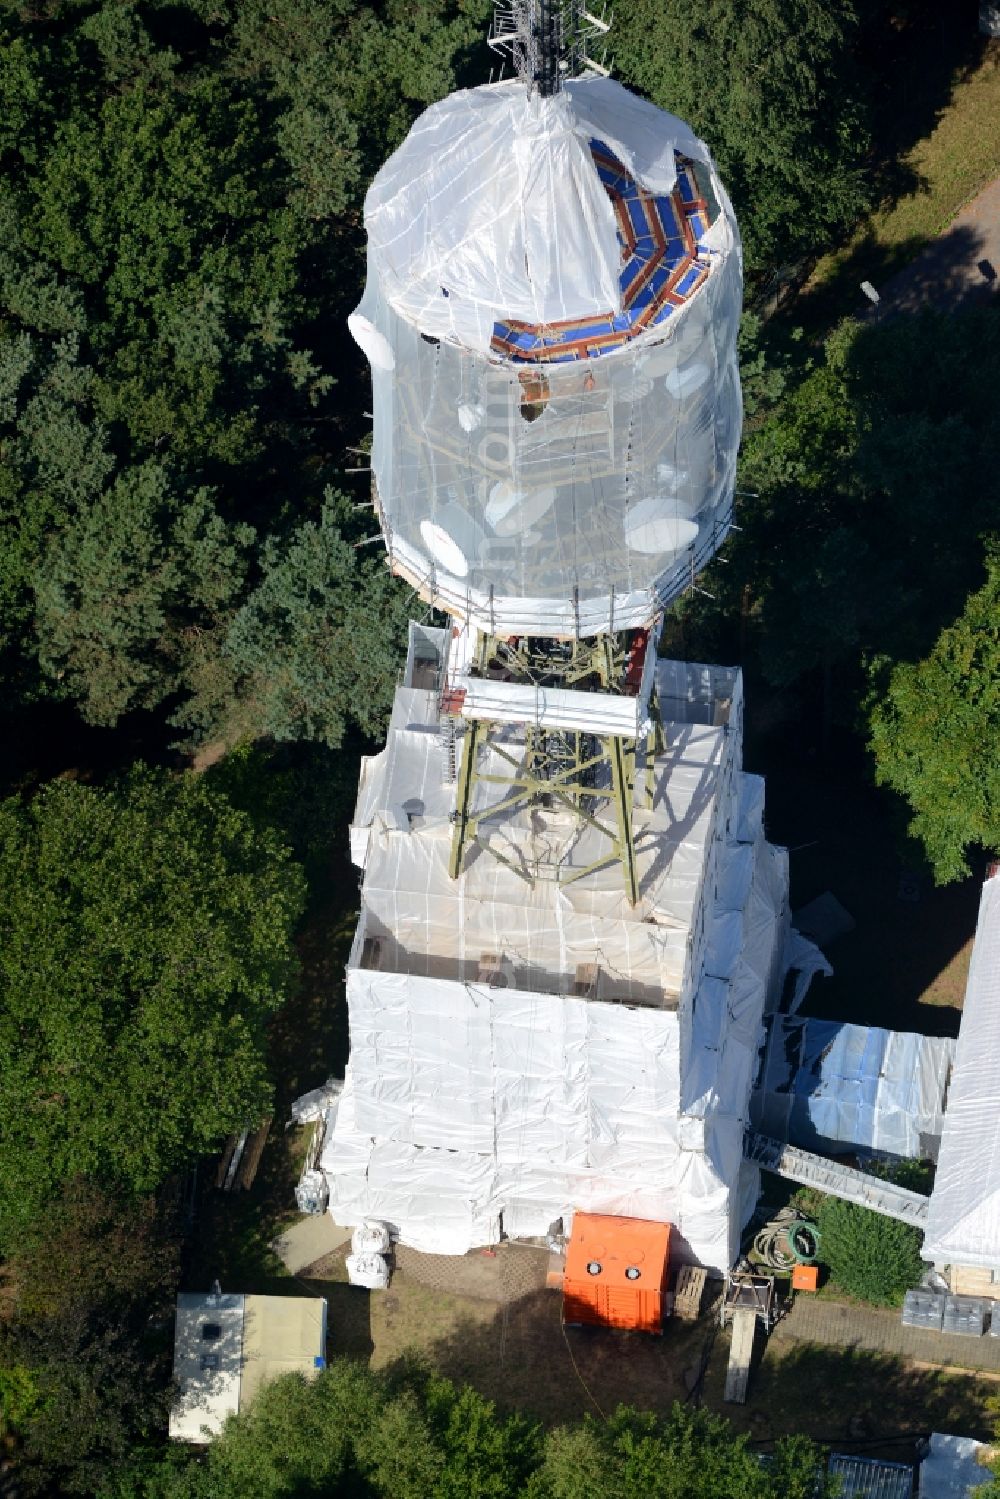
180 192
145 937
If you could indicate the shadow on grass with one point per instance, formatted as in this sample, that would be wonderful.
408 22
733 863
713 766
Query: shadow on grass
916 52
853 1399
904 965
525 1360
944 273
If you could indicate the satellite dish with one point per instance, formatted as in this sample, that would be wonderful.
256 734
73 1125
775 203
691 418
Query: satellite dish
453 539
687 379
373 344
470 417
511 510
653 526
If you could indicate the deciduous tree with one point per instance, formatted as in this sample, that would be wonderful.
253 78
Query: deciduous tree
352 1431
94 1279
935 732
145 938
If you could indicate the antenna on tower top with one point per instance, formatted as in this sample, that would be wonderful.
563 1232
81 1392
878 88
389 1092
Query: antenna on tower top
548 40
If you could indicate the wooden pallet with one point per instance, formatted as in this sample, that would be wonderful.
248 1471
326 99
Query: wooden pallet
972 1280
241 1157
688 1291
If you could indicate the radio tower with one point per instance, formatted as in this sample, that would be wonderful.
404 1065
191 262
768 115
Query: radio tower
571 923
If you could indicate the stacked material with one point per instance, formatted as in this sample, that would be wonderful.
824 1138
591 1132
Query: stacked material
368 1262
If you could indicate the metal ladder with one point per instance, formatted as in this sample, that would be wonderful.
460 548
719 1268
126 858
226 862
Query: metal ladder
840 1181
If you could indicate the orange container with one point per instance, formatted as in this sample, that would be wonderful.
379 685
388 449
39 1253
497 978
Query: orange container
616 1272
805 1278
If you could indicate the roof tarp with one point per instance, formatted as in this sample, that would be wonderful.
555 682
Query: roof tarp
281 1335
825 1085
963 1222
951 1469
495 196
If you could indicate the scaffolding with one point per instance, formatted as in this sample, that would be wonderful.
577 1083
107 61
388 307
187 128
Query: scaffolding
591 775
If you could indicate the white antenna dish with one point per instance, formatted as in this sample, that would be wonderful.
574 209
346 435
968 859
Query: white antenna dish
654 526
453 539
373 344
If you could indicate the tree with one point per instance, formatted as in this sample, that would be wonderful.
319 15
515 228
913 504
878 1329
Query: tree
870 1256
318 643
145 939
773 89
179 245
935 730
127 588
637 1455
865 495
305 791
352 1431
95 1277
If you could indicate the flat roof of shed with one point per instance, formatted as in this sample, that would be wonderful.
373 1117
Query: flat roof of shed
227 1346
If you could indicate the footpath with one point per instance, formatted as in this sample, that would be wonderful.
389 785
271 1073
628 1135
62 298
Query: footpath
961 266
840 1326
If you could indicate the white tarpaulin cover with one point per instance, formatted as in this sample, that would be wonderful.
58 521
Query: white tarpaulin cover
823 1085
494 196
963 1221
471 1106
578 493
951 1469
804 961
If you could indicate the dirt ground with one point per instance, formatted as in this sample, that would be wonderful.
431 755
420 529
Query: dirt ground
488 1321
499 1329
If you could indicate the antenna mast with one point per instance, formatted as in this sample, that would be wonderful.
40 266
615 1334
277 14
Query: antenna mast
547 41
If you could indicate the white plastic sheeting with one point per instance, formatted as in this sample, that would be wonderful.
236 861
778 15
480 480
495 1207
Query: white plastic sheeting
428 924
472 1107
963 1221
554 707
368 1270
951 1469
804 961
592 510
823 1085
315 1103
494 196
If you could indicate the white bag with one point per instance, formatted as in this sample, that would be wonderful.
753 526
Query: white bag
370 1237
368 1270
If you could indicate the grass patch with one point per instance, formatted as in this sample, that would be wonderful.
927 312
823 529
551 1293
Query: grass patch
957 158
